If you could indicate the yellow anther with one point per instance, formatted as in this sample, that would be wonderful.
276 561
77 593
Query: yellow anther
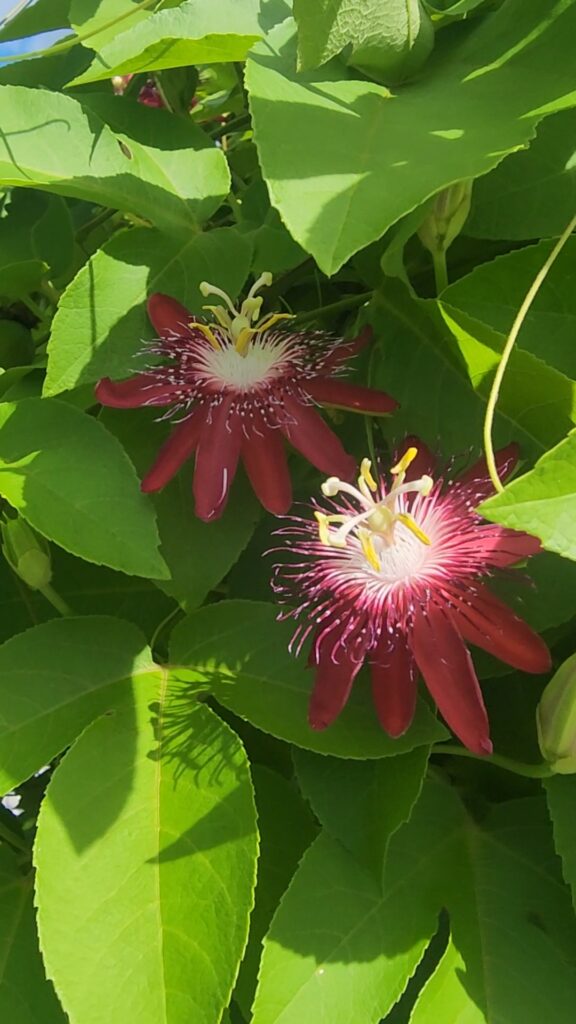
207 332
221 314
323 528
368 549
408 522
366 475
271 319
243 340
408 457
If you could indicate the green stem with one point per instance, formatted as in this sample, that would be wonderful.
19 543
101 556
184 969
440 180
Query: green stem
15 841
529 771
55 600
33 306
50 292
440 270
507 352
335 307
79 37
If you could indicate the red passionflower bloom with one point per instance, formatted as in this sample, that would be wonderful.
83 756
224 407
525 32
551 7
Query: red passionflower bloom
393 575
239 388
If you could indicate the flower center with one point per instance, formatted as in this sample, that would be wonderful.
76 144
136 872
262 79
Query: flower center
264 361
390 540
239 325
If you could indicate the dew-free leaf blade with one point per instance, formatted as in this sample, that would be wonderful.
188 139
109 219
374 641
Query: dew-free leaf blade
239 651
145 916
364 157
52 686
73 482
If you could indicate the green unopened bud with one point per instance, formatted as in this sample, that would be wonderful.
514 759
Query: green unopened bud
27 553
447 217
556 720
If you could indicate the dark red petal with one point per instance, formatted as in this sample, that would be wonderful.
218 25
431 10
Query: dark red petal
503 547
348 349
424 462
506 460
448 672
306 430
216 460
332 686
169 317
329 391
393 685
134 392
180 446
264 458
492 625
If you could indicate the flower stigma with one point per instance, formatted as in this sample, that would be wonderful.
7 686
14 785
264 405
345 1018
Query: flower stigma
374 526
239 324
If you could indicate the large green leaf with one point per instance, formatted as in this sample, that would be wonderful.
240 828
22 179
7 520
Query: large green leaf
37 227
531 194
198 554
286 829
543 501
494 291
119 15
341 948
344 159
196 32
101 319
362 803
239 651
43 16
504 880
50 141
145 917
73 482
561 796
54 680
25 995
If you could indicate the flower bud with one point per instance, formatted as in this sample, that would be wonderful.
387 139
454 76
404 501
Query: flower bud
556 719
447 217
26 553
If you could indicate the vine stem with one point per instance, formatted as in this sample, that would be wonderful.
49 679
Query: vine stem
68 44
529 771
440 270
55 600
334 307
507 352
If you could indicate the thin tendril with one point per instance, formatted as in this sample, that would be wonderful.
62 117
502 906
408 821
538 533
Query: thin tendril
507 352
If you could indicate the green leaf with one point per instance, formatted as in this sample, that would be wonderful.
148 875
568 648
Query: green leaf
54 680
43 16
386 41
101 319
284 837
87 15
199 555
561 796
365 159
531 194
533 396
239 651
543 501
145 917
72 481
494 291
342 946
25 995
196 32
504 880
362 803
50 141
36 233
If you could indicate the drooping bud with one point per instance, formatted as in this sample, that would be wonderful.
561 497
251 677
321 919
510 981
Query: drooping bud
556 719
447 217
26 553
